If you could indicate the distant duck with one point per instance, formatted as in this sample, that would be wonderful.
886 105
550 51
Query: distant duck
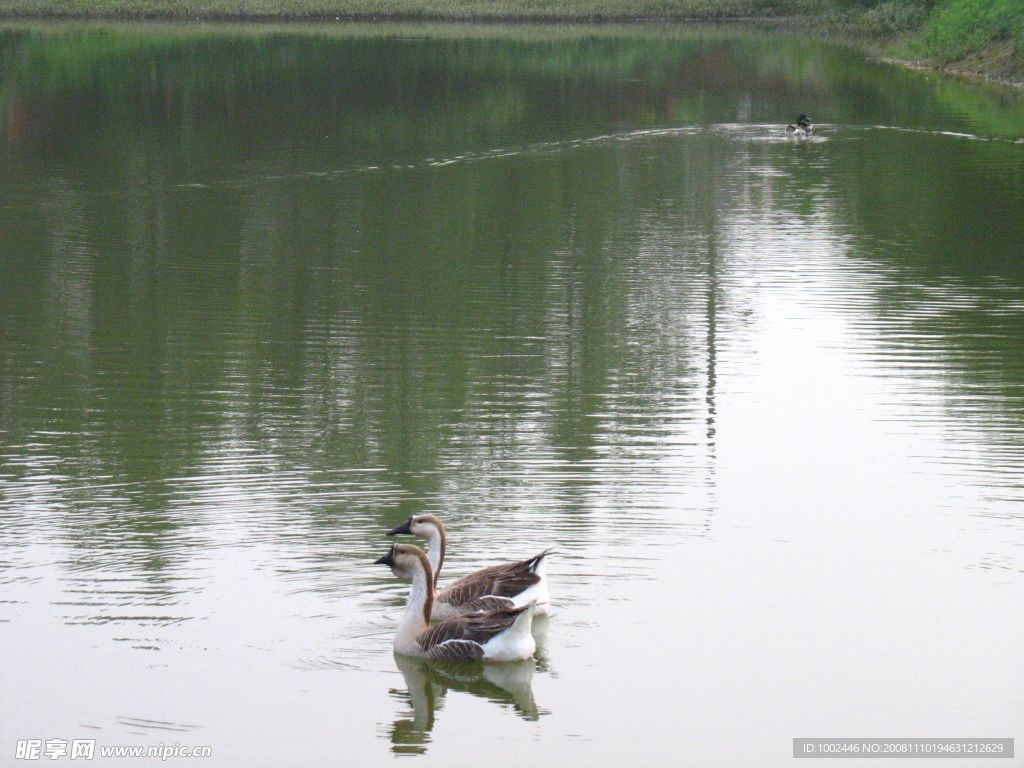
802 129
501 635
497 586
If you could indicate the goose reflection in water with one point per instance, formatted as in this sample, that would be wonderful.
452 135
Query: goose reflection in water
427 681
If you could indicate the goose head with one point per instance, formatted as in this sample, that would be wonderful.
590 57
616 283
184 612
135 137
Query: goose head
405 561
432 529
426 526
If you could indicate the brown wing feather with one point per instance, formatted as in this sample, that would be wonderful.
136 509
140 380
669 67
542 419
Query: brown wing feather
488 603
502 580
457 650
449 629
486 624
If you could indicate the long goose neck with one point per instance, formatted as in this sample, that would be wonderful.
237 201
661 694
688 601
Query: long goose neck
436 545
421 596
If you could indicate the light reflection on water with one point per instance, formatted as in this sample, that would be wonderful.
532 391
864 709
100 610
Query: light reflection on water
764 396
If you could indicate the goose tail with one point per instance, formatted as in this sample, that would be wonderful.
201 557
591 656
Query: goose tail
539 563
516 642
538 593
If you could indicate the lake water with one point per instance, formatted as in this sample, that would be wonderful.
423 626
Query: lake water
267 291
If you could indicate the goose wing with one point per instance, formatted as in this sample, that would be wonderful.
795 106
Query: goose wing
506 580
459 633
498 581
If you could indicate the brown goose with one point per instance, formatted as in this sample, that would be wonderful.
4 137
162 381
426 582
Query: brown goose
501 635
509 585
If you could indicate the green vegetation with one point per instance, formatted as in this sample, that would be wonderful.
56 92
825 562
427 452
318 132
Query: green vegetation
974 35
979 35
975 29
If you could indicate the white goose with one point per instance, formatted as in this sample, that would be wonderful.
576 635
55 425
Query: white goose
511 585
502 635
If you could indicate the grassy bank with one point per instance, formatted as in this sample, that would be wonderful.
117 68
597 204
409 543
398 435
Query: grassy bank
983 36
978 36
476 10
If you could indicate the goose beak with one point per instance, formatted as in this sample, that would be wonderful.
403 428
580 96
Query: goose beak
388 559
405 527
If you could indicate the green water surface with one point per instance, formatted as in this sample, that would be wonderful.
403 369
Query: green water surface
266 291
